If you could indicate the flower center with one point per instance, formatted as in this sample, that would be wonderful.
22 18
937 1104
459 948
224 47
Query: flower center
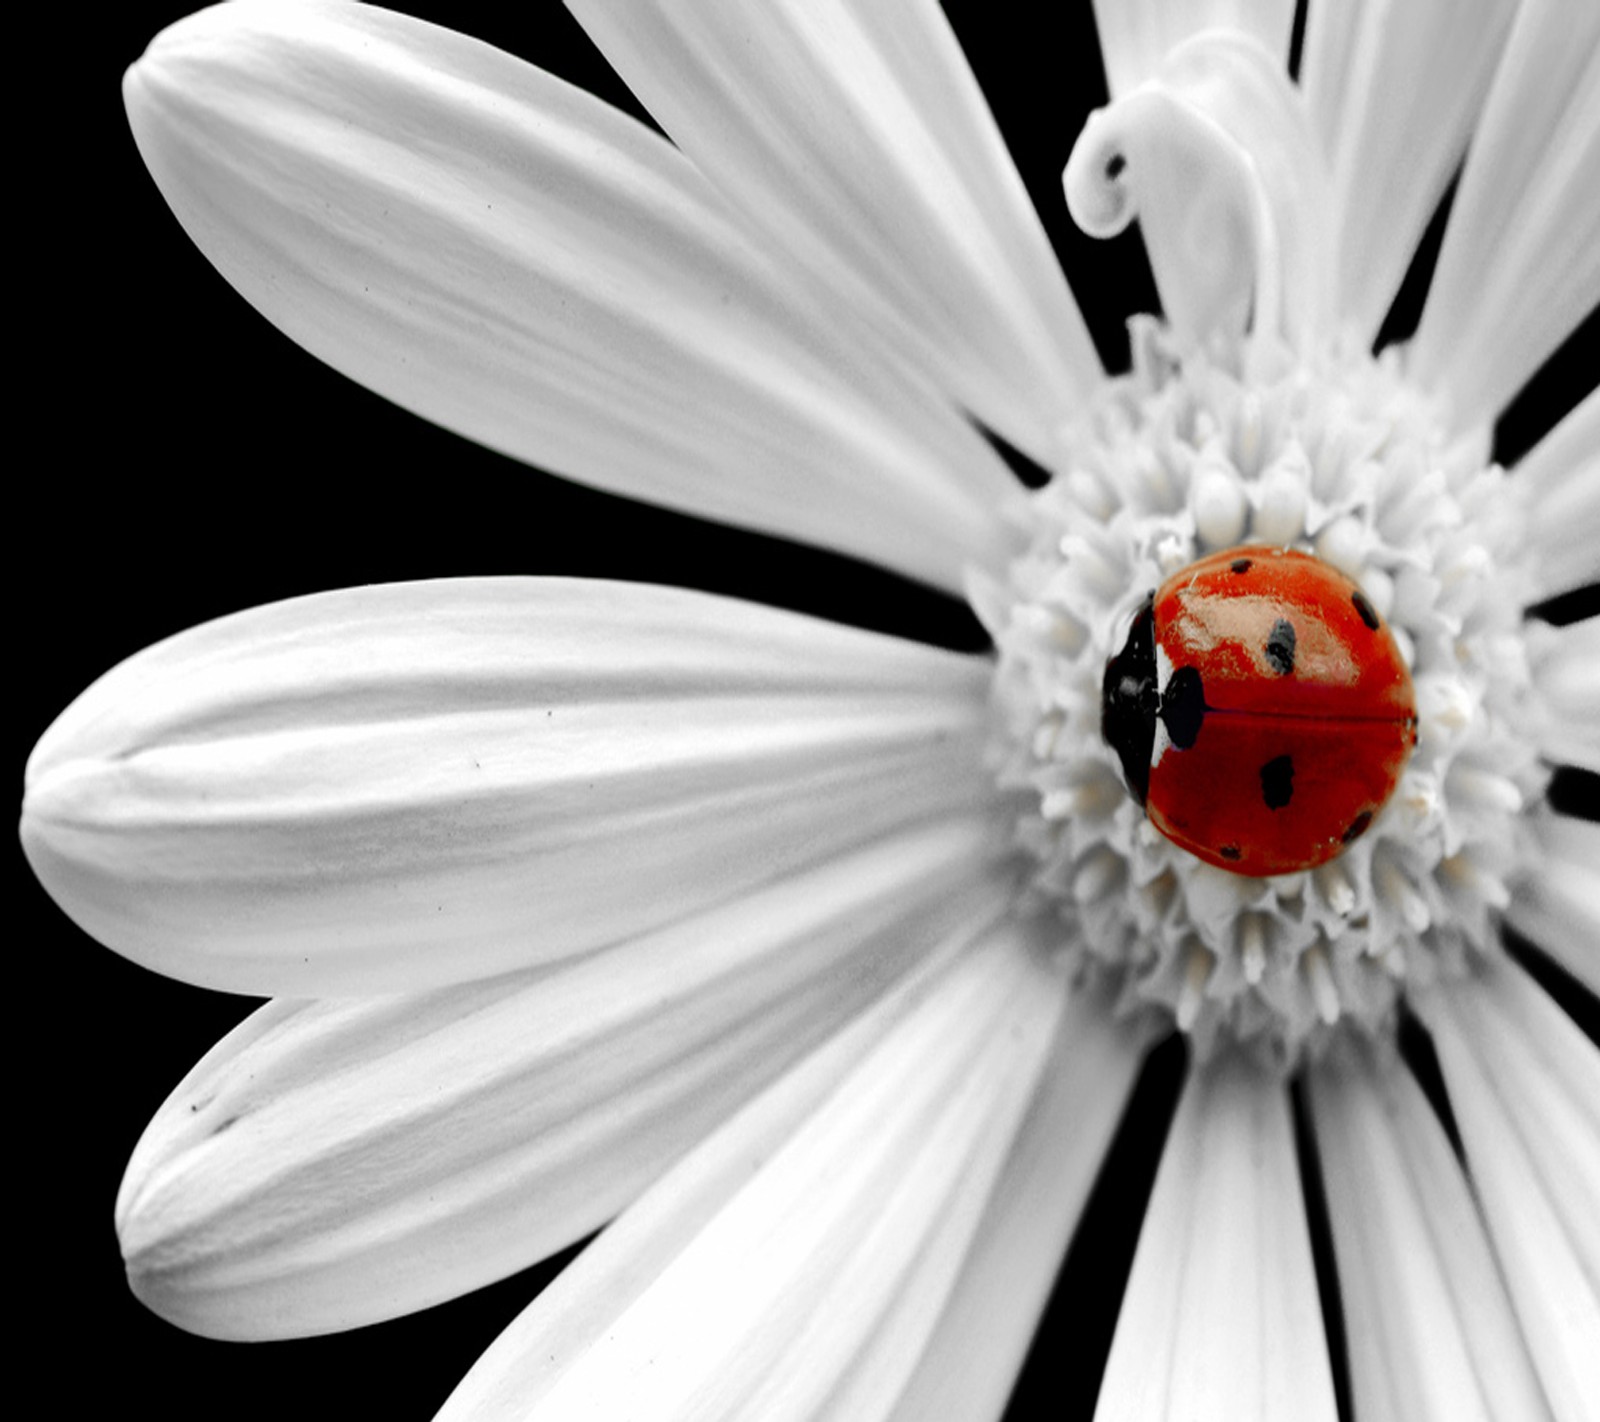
1332 454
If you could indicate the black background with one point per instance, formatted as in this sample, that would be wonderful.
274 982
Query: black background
199 463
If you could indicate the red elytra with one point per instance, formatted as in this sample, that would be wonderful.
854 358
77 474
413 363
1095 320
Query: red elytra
1261 709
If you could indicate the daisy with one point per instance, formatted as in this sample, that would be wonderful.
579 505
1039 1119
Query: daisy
821 961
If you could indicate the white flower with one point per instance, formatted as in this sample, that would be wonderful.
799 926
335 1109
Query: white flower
824 958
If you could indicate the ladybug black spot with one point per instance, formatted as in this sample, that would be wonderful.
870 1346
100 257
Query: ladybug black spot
1229 851
1277 782
1280 646
1183 706
1369 614
1358 827
1239 565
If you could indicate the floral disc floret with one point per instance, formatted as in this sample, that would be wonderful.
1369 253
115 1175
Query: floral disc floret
1334 457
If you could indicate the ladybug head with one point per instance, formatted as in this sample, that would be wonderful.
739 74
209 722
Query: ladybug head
1133 699
1130 700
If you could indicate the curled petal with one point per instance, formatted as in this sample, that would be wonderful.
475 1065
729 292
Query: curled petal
1216 158
336 1162
394 788
1135 35
506 255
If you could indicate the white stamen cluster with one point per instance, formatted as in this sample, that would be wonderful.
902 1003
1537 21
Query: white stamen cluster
1337 456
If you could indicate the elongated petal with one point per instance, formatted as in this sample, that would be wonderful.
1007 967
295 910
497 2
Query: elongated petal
1136 34
1520 265
1429 1327
1221 1318
971 1362
1524 1084
509 257
1559 905
1395 91
1216 157
851 136
757 1275
1567 674
395 788
336 1162
575 1312
1561 479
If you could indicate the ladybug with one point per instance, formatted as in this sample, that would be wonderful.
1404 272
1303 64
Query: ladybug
1261 710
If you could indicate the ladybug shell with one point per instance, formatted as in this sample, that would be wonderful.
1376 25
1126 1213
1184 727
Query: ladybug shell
1302 713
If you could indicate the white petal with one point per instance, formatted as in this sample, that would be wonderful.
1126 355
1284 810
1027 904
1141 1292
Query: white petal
1216 157
575 1312
1524 1084
1567 674
394 788
1395 90
1558 907
970 1363
1221 1318
1520 265
1429 1327
1560 478
757 1275
333 1163
850 135
507 256
1136 34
